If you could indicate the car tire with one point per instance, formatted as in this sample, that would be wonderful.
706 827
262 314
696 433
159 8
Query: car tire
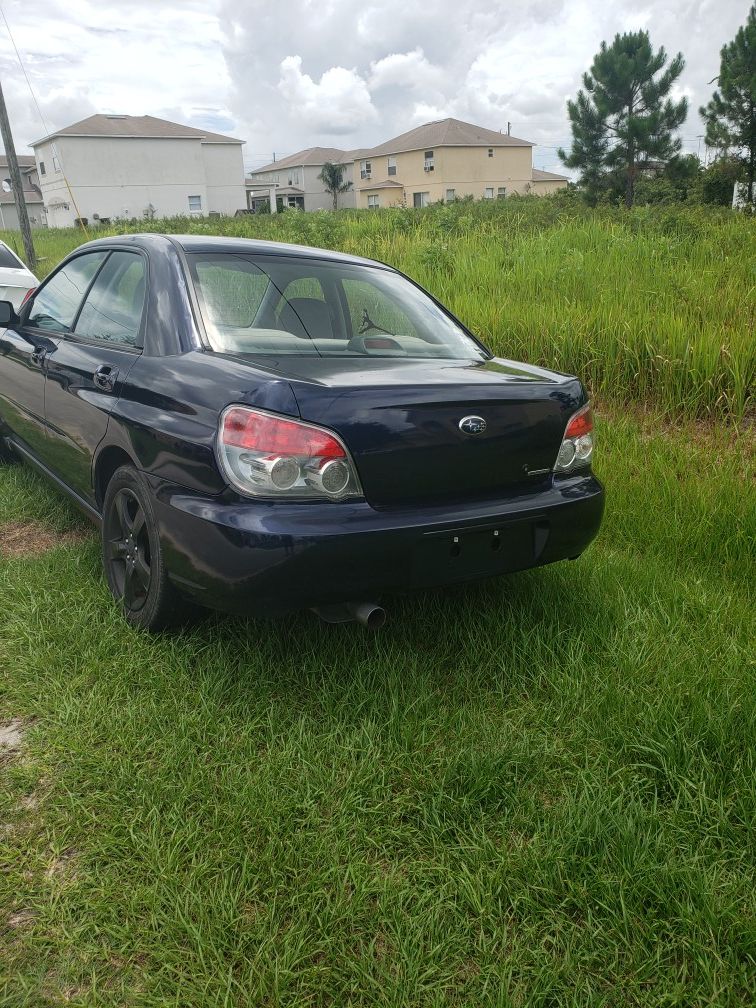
133 558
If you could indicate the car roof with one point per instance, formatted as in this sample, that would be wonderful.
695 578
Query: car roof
238 246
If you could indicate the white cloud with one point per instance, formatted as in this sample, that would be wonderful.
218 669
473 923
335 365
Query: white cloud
410 70
333 72
339 103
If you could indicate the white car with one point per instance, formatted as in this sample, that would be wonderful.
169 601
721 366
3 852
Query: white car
15 279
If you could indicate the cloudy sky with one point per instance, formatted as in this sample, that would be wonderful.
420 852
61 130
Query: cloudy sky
335 72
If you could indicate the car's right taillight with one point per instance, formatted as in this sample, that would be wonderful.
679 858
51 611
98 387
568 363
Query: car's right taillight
27 296
266 455
577 445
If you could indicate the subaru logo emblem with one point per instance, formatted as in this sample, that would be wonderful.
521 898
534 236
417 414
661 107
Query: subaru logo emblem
472 425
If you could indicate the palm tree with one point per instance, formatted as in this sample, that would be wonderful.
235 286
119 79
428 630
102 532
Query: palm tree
332 177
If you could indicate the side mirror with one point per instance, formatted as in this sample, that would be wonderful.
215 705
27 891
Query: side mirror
8 315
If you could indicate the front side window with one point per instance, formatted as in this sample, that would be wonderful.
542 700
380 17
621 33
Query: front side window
113 309
54 308
276 306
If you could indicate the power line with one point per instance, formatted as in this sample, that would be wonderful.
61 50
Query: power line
55 149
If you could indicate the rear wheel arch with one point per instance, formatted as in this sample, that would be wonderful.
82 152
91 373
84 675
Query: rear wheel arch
108 461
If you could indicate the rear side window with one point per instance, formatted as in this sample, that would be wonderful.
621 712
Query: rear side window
55 306
231 290
113 309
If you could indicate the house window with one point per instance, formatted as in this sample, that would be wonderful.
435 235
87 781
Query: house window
373 201
488 194
490 151
501 192
365 169
450 195
392 166
420 199
195 204
41 167
56 164
428 160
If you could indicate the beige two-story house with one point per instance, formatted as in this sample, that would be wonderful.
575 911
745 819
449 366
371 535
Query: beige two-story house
447 160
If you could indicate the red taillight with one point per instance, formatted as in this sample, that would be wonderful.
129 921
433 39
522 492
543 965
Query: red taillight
581 423
266 455
576 449
27 296
261 432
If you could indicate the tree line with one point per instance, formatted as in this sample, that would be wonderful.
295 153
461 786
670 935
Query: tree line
624 121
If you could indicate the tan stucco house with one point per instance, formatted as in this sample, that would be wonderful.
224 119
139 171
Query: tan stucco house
447 160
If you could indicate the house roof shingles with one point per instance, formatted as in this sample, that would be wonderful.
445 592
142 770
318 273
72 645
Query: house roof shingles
386 184
445 133
24 161
136 126
309 156
546 176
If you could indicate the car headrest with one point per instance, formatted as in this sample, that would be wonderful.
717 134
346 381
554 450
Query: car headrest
307 317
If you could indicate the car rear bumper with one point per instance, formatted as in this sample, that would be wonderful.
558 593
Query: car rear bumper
254 557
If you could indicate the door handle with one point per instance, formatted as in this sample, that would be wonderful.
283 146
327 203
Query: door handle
38 355
105 377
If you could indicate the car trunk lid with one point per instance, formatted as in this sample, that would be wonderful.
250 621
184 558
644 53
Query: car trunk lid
403 423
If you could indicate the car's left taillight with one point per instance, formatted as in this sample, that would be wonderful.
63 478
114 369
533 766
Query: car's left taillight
27 296
266 455
576 449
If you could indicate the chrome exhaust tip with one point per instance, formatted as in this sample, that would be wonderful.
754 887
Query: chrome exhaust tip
371 616
367 613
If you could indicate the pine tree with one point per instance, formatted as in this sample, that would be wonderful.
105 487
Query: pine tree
624 120
730 116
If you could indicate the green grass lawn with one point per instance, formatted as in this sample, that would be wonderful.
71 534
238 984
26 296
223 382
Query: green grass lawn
537 791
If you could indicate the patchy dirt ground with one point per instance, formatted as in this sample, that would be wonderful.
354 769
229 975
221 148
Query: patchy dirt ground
11 736
27 539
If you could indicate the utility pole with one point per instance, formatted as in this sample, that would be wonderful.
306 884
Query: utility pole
18 189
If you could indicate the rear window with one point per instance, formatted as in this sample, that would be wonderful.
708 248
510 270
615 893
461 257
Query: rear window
277 305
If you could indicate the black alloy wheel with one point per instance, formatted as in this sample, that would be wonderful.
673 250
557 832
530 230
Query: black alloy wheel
133 557
127 548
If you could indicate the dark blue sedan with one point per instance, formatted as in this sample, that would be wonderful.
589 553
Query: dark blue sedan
260 427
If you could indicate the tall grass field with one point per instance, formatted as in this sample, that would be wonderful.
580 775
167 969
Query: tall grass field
655 305
533 792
